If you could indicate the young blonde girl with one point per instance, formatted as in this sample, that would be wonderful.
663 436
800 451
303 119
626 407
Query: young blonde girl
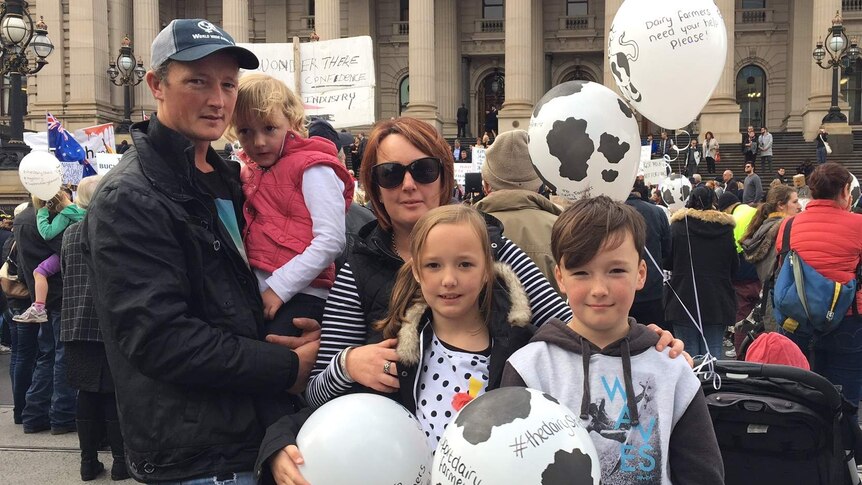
65 213
457 317
297 193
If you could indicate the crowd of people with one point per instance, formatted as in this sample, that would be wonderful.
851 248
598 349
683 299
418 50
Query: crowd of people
193 311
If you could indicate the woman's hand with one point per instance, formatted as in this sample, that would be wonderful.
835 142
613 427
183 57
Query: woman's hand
271 303
285 466
665 338
366 364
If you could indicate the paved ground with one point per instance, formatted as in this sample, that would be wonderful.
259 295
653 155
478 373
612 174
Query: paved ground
38 459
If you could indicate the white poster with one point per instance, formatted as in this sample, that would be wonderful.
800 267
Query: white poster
336 77
654 171
106 161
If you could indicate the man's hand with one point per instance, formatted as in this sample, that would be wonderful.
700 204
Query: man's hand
271 303
310 332
307 356
285 466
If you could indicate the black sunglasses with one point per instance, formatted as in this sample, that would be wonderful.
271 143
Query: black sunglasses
391 174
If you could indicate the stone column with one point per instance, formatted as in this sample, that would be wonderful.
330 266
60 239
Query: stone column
89 94
820 97
448 63
360 13
721 113
537 53
327 19
420 59
235 19
800 62
521 54
197 9
49 85
119 26
276 21
611 8
146 27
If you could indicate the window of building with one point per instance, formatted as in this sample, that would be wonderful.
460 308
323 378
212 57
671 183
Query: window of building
753 4
575 8
310 7
403 94
578 74
751 96
404 10
493 9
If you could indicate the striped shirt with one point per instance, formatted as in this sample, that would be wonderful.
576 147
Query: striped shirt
344 324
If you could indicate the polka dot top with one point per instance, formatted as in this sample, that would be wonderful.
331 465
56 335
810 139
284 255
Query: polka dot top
449 379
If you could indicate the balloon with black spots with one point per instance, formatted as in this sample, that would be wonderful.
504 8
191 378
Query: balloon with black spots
675 191
584 141
515 435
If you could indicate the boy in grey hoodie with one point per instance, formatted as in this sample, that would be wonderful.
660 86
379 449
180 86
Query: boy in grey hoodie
645 412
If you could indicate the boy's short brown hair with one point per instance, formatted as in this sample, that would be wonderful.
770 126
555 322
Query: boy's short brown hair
584 228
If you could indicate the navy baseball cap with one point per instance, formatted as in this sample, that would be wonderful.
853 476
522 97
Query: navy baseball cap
193 39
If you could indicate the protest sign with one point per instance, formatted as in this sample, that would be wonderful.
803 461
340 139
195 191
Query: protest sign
106 161
654 171
336 77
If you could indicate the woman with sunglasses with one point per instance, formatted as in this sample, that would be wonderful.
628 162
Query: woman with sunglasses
407 170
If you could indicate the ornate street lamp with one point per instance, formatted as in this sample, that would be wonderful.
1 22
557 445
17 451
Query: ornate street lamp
838 51
24 45
127 73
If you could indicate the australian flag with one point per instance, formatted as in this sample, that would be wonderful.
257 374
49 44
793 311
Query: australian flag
66 148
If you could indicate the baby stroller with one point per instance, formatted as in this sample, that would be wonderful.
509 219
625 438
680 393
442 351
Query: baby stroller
778 424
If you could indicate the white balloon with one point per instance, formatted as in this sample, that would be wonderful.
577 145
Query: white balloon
40 174
584 141
674 191
667 56
515 435
361 439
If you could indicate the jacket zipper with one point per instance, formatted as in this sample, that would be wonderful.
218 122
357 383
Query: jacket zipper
419 367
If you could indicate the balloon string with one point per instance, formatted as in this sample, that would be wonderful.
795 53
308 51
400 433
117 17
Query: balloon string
708 360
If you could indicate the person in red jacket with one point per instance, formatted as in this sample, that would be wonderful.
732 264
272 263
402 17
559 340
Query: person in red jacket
828 237
297 193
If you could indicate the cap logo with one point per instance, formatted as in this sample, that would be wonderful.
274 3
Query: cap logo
207 26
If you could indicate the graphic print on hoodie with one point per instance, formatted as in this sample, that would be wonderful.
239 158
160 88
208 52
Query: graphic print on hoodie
631 403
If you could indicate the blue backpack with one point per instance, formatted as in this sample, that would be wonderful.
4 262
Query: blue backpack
803 300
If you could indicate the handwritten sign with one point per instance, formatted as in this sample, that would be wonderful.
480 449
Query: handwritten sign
654 171
686 27
336 77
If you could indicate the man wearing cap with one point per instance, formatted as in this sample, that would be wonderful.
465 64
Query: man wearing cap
512 188
179 309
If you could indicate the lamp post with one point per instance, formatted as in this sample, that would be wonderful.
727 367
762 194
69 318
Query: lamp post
841 52
125 72
19 35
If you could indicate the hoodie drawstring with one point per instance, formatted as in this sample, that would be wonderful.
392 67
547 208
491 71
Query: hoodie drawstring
585 401
627 377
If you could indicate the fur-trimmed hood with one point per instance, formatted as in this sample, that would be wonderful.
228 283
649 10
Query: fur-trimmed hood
762 243
509 299
703 223
705 216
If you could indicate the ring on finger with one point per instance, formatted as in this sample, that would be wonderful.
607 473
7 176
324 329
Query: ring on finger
386 366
